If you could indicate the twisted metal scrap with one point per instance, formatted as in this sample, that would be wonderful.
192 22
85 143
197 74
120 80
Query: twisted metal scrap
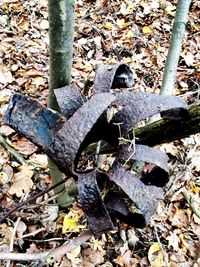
63 138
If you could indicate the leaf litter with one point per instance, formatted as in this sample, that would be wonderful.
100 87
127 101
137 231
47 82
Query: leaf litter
147 65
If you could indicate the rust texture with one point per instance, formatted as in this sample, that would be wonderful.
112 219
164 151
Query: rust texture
112 76
145 197
93 206
69 100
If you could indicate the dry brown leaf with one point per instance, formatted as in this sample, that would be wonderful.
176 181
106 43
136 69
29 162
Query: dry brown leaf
22 182
179 219
39 159
21 228
6 130
6 174
24 146
173 241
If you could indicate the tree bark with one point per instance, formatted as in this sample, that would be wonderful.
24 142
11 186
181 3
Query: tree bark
175 47
61 35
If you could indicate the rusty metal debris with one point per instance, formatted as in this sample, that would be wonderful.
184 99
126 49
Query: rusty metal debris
105 116
113 76
93 206
159 173
134 107
145 197
69 100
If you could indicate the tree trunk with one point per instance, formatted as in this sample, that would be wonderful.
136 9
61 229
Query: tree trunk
175 47
61 33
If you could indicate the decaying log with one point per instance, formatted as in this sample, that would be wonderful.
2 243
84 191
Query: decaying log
164 131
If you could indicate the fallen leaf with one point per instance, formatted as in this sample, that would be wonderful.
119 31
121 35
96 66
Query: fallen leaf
129 34
24 146
6 130
155 255
6 233
169 148
179 218
44 24
70 223
38 81
5 76
6 174
22 182
170 10
24 24
39 159
147 29
52 213
21 228
108 25
189 59
173 241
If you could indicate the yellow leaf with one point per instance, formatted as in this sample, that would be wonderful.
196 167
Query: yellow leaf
108 25
147 29
155 255
195 189
70 223
130 8
129 34
170 10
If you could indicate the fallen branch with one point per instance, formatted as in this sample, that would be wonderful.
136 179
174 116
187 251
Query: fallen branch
164 131
53 255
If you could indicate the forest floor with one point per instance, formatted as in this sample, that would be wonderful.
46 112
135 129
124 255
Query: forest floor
106 31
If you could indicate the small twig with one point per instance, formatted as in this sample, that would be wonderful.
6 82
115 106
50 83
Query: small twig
190 93
161 247
23 256
33 233
131 146
12 239
13 152
46 240
191 203
7 31
14 233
